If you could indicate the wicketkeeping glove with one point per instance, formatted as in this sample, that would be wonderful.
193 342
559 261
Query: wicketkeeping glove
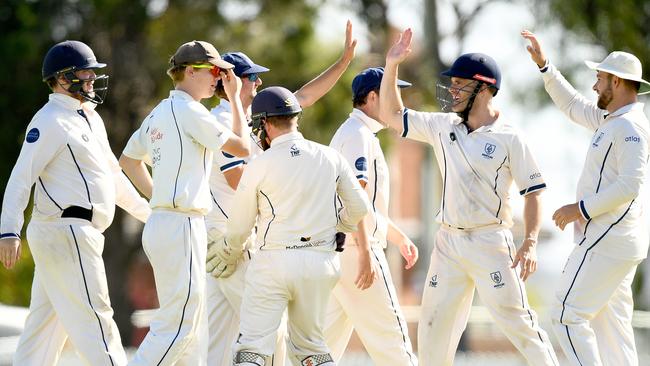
222 259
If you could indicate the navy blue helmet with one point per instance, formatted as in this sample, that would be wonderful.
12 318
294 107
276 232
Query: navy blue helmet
476 66
65 58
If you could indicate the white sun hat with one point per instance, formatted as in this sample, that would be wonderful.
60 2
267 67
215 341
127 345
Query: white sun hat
624 65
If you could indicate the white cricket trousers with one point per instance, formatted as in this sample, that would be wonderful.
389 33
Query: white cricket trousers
299 281
69 297
481 259
374 313
176 245
224 297
592 314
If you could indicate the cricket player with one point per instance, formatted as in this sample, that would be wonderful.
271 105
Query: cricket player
224 294
291 190
178 139
592 316
78 182
372 311
479 155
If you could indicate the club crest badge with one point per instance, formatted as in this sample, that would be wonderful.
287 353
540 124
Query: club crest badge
488 150
497 279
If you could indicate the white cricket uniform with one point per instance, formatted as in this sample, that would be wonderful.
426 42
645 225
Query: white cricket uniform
292 190
224 295
67 155
177 138
474 247
593 313
375 312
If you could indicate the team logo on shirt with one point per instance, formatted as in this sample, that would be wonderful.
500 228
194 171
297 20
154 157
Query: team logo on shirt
155 135
32 135
361 164
434 281
294 151
597 139
488 150
497 279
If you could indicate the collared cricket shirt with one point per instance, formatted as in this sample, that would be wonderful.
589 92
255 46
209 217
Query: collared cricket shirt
477 168
292 190
612 192
67 156
356 140
177 140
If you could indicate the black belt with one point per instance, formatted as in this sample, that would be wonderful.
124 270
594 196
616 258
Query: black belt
78 212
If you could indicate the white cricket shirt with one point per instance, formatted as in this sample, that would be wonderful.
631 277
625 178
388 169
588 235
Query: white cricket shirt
477 168
177 139
292 189
67 155
356 140
613 188
221 193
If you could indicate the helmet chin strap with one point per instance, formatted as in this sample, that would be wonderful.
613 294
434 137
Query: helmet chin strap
470 102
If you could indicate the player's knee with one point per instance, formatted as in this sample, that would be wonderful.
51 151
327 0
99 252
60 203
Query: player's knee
323 359
247 358
564 314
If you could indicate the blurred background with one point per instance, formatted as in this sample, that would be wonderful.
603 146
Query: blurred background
297 39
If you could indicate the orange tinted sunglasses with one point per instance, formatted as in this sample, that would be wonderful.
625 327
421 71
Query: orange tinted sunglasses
214 70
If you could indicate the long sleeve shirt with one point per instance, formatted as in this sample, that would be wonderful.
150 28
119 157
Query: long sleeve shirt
612 192
67 155
357 142
292 190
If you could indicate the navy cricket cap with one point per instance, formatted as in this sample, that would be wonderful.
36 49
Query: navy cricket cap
369 80
275 101
243 64
476 66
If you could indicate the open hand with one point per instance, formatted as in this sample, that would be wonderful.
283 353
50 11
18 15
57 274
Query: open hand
409 251
526 257
401 49
535 49
350 44
368 270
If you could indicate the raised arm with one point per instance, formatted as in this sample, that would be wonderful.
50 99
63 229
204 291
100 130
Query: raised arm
390 100
239 143
320 85
566 98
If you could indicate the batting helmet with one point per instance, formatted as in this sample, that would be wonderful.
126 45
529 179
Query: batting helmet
65 58
476 66
275 101
271 102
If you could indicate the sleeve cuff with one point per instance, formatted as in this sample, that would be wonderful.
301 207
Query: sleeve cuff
9 235
405 122
544 68
532 189
583 210
229 166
